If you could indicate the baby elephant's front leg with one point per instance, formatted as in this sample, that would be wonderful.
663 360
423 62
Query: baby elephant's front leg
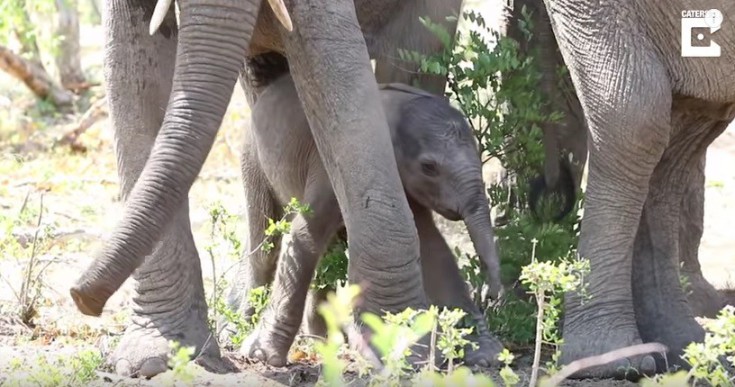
300 252
446 288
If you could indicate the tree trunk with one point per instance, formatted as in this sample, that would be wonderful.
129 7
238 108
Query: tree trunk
35 77
67 56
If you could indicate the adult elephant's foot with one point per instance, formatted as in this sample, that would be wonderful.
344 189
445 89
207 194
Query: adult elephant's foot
597 338
169 306
266 345
486 353
144 348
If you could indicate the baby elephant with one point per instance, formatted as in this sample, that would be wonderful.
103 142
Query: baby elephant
440 168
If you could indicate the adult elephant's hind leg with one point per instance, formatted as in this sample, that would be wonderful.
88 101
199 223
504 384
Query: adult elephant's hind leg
661 307
627 102
168 304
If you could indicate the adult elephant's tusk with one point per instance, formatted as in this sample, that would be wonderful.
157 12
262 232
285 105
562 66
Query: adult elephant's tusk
159 13
279 9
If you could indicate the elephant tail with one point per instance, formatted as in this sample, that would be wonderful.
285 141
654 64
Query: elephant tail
565 188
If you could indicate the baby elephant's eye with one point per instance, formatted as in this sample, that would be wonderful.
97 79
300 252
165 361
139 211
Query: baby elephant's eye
429 168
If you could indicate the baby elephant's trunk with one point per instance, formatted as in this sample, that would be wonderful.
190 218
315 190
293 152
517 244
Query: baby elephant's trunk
479 225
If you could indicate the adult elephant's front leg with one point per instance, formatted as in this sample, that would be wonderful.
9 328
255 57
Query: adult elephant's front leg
333 77
169 297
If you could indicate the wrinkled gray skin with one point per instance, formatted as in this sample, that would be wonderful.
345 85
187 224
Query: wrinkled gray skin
569 138
651 115
439 165
180 80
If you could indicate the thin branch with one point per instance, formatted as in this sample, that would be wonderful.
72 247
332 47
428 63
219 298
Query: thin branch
71 135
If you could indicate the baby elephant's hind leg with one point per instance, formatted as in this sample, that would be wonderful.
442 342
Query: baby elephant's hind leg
300 252
446 288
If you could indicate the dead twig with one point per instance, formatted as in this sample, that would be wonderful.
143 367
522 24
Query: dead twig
608 357
78 87
65 180
27 302
71 135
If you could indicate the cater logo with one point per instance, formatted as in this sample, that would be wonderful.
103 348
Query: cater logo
701 25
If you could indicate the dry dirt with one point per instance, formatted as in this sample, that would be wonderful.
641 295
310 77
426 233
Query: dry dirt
80 200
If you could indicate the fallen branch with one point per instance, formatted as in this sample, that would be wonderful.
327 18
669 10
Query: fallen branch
35 78
608 357
71 135
79 87
65 180
24 238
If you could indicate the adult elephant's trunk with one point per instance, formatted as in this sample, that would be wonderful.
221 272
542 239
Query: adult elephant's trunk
476 216
213 39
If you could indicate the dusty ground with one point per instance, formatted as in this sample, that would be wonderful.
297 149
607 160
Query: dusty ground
80 202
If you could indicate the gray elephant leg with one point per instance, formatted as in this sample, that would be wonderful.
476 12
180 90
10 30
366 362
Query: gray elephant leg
169 296
405 32
661 307
631 127
300 253
703 298
313 323
327 53
256 267
445 287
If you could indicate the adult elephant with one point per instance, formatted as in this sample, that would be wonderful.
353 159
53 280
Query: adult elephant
566 142
651 114
180 79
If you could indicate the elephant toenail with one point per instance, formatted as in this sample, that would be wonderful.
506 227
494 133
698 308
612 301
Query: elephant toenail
277 361
648 366
153 367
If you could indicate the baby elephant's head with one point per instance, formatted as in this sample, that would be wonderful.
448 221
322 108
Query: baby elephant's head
438 158
439 163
